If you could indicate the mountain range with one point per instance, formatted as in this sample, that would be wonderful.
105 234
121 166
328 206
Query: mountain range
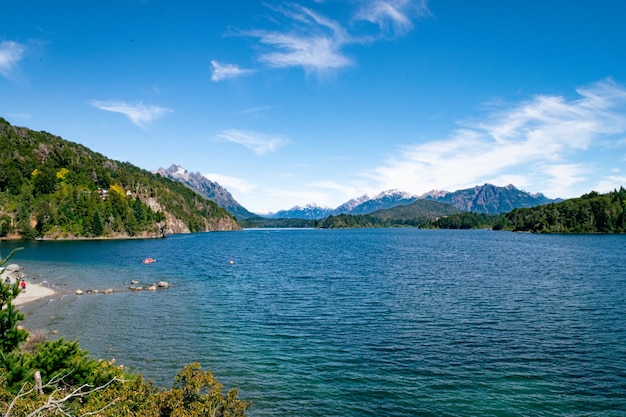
485 199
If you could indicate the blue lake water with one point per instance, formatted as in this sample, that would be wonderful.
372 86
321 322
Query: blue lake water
391 322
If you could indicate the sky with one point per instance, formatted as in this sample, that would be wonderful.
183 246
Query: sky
290 103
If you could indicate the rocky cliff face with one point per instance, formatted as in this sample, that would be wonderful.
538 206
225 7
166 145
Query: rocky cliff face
173 225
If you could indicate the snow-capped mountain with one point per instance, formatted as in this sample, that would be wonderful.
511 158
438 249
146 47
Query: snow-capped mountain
351 204
367 203
206 188
310 212
386 199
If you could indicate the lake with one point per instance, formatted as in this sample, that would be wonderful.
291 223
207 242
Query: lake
391 322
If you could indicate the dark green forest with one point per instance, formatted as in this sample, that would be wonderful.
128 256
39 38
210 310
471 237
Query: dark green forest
53 188
590 213
466 221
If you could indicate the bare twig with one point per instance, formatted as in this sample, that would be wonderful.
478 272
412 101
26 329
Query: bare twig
54 403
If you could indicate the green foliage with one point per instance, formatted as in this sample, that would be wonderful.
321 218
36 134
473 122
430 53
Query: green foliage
10 334
590 213
197 393
466 221
349 221
66 359
53 188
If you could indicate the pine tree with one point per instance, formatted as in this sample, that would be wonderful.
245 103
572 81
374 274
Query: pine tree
10 335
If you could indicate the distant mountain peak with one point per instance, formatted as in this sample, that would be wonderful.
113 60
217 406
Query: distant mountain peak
489 198
395 193
206 188
435 194
310 211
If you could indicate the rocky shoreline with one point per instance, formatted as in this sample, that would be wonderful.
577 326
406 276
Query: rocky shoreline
35 291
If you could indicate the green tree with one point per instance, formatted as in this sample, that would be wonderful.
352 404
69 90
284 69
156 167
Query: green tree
197 393
10 335
97 228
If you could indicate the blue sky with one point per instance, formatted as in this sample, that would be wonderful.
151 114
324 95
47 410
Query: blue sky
320 101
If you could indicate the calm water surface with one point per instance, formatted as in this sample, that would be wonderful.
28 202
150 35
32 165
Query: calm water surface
391 322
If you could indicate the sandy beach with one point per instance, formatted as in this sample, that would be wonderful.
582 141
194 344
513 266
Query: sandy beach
33 292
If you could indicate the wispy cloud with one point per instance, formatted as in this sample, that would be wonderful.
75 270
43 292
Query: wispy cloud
392 16
300 196
317 43
530 141
139 113
313 42
256 112
20 115
11 53
223 72
258 143
232 183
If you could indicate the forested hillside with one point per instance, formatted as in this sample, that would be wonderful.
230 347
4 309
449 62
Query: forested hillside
591 213
420 213
53 188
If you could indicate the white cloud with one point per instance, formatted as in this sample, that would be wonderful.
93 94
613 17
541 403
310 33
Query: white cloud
11 53
560 177
313 42
20 115
256 112
531 140
392 15
341 191
610 183
258 143
313 53
231 183
317 43
140 114
225 71
299 197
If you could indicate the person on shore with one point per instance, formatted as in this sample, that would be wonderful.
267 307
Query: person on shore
23 286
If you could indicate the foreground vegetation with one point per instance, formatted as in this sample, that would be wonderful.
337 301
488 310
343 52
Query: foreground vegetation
39 377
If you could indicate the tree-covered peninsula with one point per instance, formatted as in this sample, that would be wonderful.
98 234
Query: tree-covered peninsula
55 189
590 213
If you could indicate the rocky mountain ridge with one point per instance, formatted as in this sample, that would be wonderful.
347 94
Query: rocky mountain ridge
489 199
206 188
